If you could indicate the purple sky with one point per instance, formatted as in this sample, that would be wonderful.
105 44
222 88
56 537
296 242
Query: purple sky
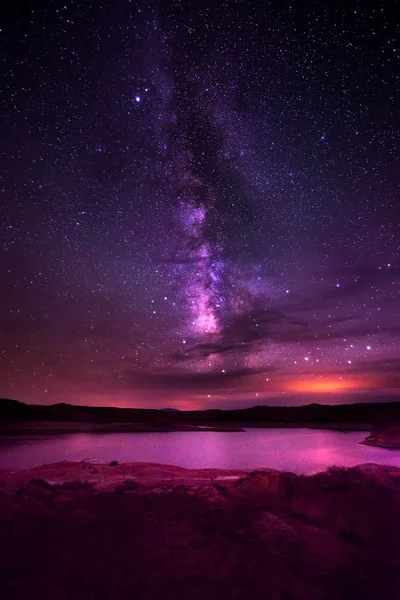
202 205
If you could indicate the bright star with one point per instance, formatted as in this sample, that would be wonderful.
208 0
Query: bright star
137 98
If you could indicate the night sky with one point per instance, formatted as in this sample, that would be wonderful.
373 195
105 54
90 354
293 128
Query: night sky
200 202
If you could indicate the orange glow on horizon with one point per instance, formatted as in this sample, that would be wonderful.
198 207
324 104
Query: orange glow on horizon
326 385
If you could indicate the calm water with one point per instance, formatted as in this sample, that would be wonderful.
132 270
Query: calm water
296 450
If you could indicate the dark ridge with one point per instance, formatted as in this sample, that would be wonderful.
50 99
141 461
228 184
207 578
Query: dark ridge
350 415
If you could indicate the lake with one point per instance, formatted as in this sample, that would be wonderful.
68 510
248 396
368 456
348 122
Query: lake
296 450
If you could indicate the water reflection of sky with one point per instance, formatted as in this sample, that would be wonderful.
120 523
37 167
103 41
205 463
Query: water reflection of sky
297 450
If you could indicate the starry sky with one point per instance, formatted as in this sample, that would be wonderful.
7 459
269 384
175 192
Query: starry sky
200 202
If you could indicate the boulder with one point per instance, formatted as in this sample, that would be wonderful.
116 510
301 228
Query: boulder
217 503
36 489
277 533
126 486
76 486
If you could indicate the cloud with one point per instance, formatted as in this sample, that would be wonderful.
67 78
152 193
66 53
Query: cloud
326 316
386 366
242 333
351 282
189 381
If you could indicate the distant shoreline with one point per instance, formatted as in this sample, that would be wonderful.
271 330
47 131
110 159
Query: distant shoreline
46 428
382 420
54 429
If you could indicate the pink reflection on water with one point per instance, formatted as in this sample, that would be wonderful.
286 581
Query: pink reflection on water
296 450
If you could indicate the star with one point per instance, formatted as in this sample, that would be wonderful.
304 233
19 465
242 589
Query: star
166 200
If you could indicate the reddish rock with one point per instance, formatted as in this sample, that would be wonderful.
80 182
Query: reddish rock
36 489
76 486
386 437
127 486
278 534
332 536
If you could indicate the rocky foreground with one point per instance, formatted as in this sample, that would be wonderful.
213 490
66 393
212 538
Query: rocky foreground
89 531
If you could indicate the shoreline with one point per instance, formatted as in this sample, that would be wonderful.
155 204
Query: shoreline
377 439
62 428
384 437
103 476
381 420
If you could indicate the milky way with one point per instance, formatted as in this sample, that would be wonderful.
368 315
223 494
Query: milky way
201 203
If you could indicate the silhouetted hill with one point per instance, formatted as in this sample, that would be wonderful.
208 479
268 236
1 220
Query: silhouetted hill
11 407
343 416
